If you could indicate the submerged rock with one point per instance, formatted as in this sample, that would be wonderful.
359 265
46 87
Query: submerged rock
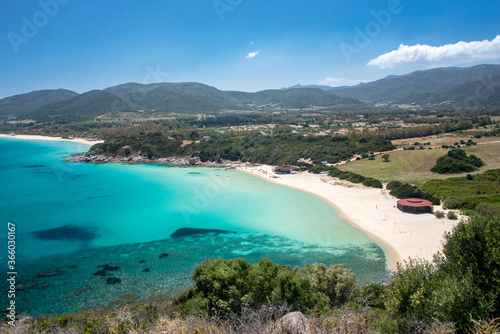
108 267
67 233
162 255
100 273
142 261
105 268
146 270
47 274
187 231
113 280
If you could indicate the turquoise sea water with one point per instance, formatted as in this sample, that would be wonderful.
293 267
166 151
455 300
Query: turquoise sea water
72 219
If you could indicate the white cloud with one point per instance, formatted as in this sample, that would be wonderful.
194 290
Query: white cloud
335 82
461 52
252 54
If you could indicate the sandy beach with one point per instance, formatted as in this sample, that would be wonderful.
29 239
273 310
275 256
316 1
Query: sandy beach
34 137
401 235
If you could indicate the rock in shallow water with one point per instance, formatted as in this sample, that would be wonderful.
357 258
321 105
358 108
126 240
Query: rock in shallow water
66 233
186 231
100 273
108 267
47 274
113 280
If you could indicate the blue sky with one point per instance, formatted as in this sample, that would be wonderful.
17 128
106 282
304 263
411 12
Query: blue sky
237 44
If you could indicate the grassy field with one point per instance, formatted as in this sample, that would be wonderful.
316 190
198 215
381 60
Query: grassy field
484 188
447 138
414 166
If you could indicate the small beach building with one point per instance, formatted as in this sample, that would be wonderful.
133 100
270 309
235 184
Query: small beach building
286 169
415 205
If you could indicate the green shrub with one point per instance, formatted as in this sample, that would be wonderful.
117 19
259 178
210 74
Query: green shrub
373 295
337 283
456 161
408 191
451 203
404 293
393 185
227 287
345 175
369 182
420 294
451 215
472 250
488 208
439 214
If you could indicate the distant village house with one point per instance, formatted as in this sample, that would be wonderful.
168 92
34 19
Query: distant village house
286 169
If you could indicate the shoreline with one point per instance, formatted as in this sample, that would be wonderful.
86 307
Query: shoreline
49 138
373 211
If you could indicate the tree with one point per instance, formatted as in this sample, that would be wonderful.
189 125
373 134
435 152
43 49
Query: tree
386 157
473 248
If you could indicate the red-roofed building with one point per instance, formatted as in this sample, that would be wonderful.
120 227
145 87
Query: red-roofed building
286 169
415 205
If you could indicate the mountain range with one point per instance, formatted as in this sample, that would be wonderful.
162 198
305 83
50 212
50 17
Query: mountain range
397 89
477 86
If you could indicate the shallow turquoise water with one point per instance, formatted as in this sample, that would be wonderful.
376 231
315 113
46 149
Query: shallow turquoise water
71 217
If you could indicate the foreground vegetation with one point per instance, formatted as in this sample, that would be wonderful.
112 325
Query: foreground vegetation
458 292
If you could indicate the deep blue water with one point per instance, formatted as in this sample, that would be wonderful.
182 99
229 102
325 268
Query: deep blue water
72 218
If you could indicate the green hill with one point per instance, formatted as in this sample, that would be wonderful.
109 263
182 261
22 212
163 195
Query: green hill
19 105
437 87
82 107
175 97
484 92
187 97
435 81
295 98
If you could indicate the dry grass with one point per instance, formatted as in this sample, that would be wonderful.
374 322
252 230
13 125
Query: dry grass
445 139
488 326
266 320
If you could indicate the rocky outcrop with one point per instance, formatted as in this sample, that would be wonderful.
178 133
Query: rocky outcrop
293 323
95 158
